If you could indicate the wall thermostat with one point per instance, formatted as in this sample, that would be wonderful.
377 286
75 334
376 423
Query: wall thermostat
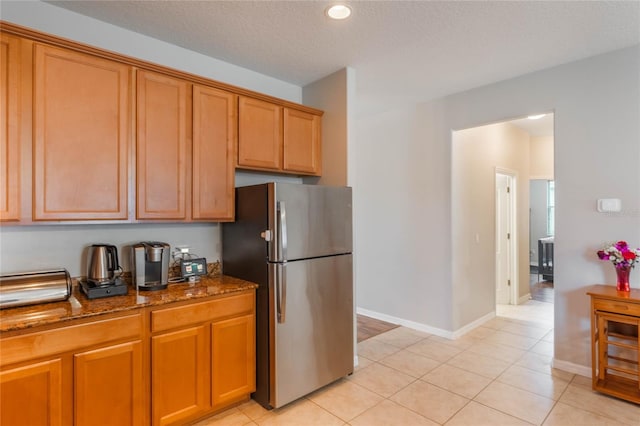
609 205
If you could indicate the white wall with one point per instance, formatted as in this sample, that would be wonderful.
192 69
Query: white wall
405 157
41 247
402 185
541 159
331 95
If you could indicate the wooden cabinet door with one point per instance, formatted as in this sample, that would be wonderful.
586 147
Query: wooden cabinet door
81 136
109 386
302 142
161 146
259 134
9 129
180 375
213 154
233 363
32 395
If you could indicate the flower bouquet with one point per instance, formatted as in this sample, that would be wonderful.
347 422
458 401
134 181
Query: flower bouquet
623 258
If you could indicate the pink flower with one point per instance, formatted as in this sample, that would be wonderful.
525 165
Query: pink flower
620 254
622 246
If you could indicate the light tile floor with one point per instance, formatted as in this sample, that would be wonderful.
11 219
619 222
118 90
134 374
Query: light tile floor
498 374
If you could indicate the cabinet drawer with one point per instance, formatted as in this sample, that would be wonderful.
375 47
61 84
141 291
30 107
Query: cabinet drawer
195 313
618 307
69 338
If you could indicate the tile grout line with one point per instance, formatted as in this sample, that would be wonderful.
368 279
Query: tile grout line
493 380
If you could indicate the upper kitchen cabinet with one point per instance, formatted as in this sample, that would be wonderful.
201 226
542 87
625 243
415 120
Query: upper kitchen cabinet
302 142
92 135
213 155
81 140
10 129
259 134
276 138
162 143
185 150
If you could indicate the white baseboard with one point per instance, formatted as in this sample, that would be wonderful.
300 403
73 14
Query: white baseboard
524 299
472 325
427 328
567 366
570 367
405 323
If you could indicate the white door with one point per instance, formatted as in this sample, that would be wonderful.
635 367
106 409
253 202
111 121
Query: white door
503 239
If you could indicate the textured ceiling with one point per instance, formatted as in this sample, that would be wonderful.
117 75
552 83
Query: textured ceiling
400 50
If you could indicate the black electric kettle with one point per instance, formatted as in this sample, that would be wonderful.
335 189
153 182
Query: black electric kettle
103 263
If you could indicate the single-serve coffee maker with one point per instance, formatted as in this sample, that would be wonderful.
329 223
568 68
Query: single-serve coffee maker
150 263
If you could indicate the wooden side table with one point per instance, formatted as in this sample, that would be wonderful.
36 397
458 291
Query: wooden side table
615 342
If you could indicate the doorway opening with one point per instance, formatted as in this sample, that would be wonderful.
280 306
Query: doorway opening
492 232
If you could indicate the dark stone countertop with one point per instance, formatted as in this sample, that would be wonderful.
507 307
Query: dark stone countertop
78 306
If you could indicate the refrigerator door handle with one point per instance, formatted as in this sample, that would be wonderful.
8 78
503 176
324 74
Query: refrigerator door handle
281 293
282 230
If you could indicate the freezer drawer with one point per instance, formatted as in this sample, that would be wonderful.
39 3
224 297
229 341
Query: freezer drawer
311 325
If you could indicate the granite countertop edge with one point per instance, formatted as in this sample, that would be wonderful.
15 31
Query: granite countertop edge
78 306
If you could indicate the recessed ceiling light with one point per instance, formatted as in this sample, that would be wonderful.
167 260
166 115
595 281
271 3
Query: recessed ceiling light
338 11
536 117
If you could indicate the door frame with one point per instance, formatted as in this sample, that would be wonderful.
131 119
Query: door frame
513 249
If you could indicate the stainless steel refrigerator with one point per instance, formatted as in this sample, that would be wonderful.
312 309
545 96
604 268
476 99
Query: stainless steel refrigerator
295 241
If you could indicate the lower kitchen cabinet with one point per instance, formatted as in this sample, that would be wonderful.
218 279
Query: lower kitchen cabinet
202 357
155 365
179 377
33 394
75 374
108 385
233 364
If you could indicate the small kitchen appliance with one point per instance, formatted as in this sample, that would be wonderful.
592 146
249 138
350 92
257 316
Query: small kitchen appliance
102 263
103 273
150 263
31 288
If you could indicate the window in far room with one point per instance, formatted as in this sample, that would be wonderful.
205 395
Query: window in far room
551 204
